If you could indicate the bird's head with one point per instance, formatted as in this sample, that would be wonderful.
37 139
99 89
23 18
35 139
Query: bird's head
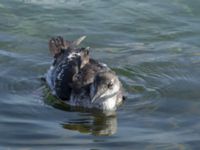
105 91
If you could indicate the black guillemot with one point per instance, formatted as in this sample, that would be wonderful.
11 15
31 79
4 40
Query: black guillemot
79 80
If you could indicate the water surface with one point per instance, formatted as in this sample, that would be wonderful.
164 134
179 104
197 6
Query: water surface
152 45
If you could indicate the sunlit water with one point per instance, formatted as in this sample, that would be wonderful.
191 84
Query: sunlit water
152 45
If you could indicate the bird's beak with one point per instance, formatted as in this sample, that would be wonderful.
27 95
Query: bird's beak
97 94
95 97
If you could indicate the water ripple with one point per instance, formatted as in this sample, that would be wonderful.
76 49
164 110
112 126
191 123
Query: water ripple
152 45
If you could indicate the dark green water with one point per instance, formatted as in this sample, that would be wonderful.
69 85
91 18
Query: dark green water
152 45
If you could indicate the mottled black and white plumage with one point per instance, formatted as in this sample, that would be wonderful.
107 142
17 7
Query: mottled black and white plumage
79 80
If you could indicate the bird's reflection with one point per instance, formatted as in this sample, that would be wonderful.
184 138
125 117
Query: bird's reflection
95 122
99 124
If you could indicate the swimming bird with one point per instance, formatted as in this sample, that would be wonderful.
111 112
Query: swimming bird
79 80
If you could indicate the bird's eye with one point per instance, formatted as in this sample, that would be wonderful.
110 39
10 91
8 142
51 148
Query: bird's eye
110 85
